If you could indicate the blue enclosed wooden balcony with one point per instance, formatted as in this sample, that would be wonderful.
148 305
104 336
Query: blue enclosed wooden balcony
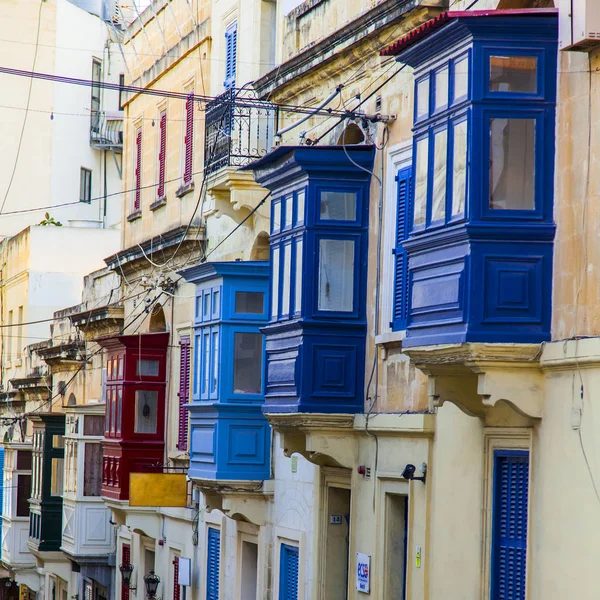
230 439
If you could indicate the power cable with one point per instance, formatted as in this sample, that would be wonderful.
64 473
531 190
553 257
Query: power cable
16 162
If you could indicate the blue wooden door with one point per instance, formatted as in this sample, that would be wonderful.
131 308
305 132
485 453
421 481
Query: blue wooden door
509 525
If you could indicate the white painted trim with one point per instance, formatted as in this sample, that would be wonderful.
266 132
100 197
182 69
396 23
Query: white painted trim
398 156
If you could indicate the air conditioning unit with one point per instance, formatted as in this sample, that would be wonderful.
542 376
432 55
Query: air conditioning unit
579 23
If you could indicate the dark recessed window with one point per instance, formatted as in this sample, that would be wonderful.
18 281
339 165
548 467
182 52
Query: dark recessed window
24 460
85 185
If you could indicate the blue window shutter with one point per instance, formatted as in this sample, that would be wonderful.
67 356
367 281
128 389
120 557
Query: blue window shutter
230 56
404 198
288 573
212 564
509 525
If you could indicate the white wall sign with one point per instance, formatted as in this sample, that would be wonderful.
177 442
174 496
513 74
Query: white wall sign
363 572
185 571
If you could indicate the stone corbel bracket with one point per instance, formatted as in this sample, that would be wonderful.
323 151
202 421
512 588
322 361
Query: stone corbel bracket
234 191
323 439
477 376
240 500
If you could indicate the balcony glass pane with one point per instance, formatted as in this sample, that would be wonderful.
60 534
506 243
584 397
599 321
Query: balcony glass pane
287 279
119 409
206 365
23 493
423 99
215 364
249 303
113 410
517 74
421 182
146 404
147 368
512 164
338 206
92 472
247 363
298 287
336 275
216 297
441 88
276 217
440 153
300 202
289 211
56 478
275 283
459 171
461 78
58 441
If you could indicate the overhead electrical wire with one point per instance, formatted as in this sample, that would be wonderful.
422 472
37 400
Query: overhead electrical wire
241 101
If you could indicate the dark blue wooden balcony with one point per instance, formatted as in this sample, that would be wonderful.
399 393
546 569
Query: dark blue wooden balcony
315 338
474 255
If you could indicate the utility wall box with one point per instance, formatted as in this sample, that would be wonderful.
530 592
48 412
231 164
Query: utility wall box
579 23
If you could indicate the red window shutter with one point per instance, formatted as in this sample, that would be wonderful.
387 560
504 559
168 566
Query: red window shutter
138 171
189 139
162 154
184 390
125 560
176 587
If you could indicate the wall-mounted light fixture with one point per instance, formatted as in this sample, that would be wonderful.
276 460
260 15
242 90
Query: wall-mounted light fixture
151 581
126 571
409 472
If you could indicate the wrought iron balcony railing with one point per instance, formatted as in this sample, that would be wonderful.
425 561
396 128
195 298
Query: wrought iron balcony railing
106 130
239 129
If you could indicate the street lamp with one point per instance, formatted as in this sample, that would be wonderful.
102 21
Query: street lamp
126 571
151 580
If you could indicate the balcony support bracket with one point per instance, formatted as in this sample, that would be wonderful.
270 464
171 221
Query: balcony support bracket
476 376
322 439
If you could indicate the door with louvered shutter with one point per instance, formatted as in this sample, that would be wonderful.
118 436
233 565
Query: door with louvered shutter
184 391
125 560
288 573
401 304
189 139
138 171
509 525
176 586
213 564
230 56
162 154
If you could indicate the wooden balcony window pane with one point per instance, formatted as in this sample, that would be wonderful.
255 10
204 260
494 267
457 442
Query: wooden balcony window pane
249 303
57 477
512 164
338 206
438 200
421 182
517 74
92 425
247 363
92 474
23 493
147 368
336 275
146 404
